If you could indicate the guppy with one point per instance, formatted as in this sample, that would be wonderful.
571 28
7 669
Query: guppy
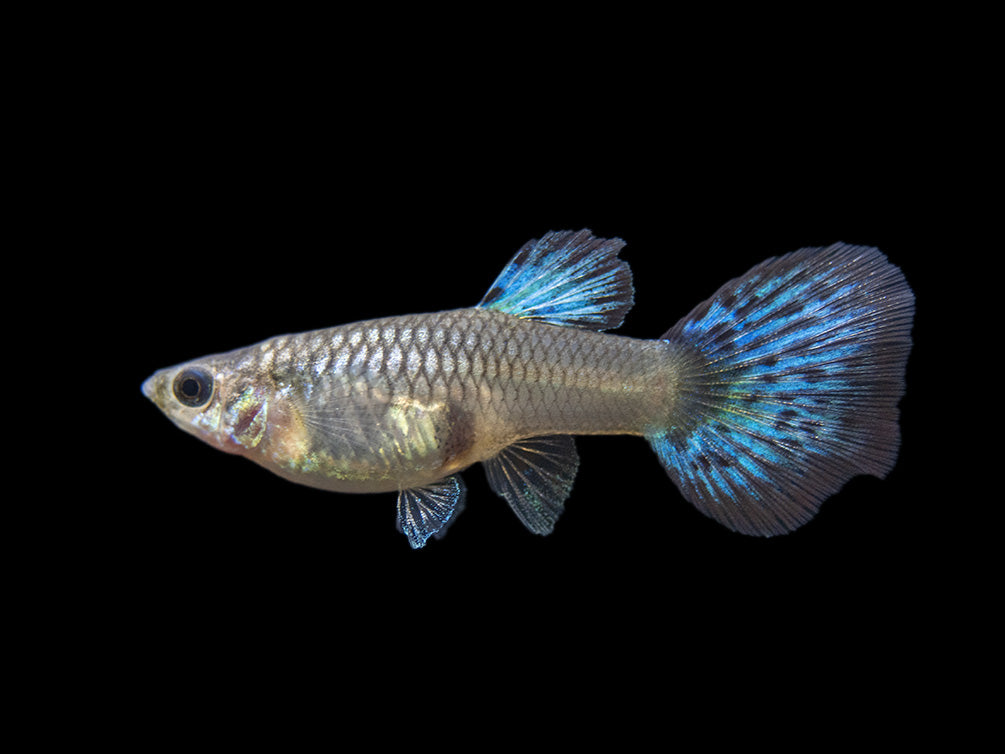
760 403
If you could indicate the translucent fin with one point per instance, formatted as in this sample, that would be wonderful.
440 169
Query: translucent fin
567 278
789 382
535 477
424 512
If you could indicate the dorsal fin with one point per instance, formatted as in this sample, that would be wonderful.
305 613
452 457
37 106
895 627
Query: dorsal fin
568 278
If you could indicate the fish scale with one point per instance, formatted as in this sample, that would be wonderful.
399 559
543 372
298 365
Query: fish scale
760 404
526 378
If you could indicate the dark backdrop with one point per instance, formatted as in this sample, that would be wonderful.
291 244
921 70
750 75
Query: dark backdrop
248 216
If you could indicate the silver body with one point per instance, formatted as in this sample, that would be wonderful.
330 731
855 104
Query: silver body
399 402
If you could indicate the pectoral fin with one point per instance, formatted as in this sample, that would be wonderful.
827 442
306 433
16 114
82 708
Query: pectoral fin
425 512
535 477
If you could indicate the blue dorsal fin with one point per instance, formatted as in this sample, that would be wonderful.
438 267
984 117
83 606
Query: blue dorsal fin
568 278
535 477
425 512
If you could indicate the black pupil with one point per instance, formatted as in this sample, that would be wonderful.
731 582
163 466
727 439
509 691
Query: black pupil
193 387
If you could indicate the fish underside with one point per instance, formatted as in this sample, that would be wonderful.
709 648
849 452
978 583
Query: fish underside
760 403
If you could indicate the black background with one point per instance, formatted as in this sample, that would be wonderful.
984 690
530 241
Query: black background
261 244
253 199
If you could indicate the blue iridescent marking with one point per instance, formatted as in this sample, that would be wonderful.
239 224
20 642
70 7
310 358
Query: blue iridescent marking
796 377
568 279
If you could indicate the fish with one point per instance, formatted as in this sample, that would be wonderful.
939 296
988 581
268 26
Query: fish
760 404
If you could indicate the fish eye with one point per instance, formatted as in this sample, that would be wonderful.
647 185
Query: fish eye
193 387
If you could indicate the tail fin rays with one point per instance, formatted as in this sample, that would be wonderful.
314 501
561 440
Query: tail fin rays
790 378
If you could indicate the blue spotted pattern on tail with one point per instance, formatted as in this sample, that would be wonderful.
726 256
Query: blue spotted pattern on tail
789 382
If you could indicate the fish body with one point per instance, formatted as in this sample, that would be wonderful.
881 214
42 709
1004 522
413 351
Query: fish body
398 402
760 404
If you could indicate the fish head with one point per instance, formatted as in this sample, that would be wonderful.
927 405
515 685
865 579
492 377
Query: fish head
214 400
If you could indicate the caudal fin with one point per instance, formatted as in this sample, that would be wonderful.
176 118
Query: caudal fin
789 382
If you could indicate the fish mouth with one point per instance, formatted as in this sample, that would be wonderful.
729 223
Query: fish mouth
153 387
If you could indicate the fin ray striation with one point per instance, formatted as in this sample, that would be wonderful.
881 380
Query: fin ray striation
790 379
566 278
535 477
426 512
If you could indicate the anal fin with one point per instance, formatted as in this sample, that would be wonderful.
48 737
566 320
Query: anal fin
425 512
535 477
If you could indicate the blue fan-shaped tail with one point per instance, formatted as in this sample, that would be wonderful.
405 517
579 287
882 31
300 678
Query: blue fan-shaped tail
789 382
